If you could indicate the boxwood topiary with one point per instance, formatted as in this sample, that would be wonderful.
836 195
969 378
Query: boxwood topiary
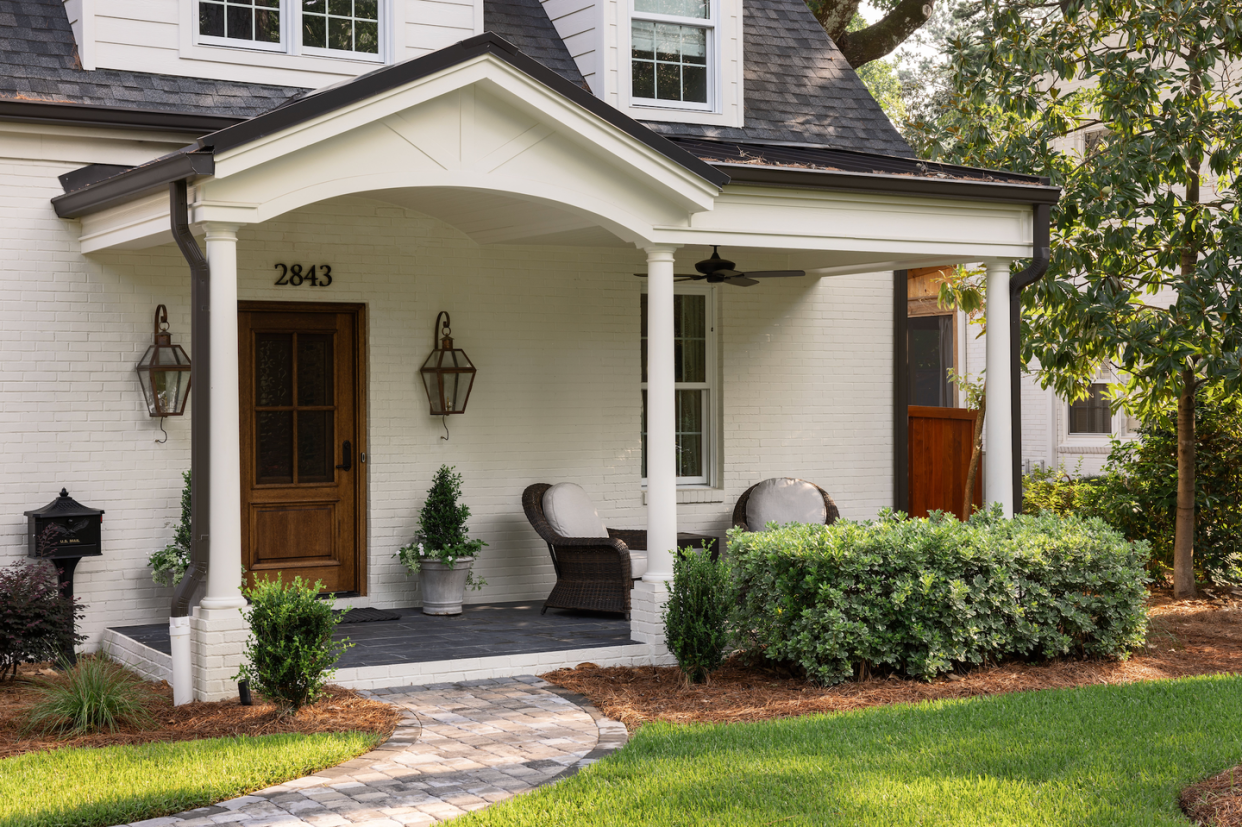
922 597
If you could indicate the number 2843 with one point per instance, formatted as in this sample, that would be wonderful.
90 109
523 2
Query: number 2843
292 275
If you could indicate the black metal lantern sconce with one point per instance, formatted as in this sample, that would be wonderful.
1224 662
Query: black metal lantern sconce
164 372
448 373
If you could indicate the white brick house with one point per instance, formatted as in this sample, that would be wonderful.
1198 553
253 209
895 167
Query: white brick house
502 161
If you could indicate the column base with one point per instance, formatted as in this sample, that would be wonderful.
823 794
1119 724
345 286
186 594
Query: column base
647 602
217 638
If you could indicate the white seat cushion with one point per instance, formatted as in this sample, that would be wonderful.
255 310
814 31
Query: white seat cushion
569 511
638 563
784 500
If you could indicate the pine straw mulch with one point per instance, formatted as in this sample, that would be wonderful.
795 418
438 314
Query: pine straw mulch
1191 637
341 711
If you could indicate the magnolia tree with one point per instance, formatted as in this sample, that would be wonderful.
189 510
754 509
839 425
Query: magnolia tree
1132 108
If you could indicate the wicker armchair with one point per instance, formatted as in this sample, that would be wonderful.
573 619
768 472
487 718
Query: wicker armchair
592 573
739 511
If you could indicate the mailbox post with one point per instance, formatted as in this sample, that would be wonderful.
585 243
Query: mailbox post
64 531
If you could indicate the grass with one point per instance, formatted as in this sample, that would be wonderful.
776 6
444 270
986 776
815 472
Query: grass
80 787
1106 755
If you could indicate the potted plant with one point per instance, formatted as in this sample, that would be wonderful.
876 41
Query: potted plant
168 565
441 553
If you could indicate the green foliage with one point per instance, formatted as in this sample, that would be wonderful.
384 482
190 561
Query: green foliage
36 621
1131 109
442 529
168 565
921 597
1100 755
1139 492
93 695
1061 493
95 787
290 651
697 613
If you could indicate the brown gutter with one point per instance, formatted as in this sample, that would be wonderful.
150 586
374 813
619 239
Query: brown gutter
179 166
111 117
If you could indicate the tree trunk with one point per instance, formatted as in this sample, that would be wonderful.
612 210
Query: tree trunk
1184 532
880 38
976 451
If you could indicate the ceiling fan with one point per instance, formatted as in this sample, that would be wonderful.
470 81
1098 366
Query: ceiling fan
717 270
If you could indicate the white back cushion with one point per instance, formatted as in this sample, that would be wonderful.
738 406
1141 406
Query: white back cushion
784 500
638 563
569 511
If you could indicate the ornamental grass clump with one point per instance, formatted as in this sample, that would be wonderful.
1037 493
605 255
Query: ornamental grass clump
36 621
93 695
697 613
924 597
290 652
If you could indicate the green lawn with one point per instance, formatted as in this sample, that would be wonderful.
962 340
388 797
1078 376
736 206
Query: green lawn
117 785
1094 756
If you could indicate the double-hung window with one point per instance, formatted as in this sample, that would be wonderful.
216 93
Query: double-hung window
330 28
694 377
1092 415
673 53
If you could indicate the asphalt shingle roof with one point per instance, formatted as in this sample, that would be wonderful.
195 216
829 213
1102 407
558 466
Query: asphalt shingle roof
525 24
39 62
800 89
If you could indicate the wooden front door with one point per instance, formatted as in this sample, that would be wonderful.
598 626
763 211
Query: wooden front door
301 440
940 441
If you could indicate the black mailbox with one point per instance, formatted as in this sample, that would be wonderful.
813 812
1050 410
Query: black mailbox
64 528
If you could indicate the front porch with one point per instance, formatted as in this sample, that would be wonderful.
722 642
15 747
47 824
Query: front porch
488 640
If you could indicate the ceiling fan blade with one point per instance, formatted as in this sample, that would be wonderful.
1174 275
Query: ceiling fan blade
774 274
728 274
740 281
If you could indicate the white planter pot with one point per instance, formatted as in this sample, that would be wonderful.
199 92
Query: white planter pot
444 587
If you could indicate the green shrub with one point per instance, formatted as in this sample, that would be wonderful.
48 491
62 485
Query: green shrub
696 615
290 651
1059 492
1138 493
93 695
921 597
168 565
36 621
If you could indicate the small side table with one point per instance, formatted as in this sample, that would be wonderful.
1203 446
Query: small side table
688 540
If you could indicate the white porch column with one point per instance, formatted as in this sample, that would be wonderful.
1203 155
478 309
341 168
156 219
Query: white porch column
661 417
218 631
998 421
649 596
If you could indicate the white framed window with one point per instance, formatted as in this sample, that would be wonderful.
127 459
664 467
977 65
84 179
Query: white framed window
674 54
694 375
352 29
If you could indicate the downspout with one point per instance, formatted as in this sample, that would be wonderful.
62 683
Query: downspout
200 443
1041 241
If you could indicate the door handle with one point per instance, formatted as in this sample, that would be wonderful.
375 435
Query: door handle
348 451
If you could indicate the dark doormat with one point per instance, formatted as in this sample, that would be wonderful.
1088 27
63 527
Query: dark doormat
367 615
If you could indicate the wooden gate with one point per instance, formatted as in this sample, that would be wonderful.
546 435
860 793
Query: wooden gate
940 441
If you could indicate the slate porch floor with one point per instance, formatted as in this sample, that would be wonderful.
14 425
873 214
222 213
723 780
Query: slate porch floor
481 630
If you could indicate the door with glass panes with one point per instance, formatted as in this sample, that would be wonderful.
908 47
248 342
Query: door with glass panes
301 442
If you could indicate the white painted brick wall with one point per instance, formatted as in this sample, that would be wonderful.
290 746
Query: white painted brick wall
555 335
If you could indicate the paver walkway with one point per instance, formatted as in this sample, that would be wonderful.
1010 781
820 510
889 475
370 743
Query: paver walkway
460 747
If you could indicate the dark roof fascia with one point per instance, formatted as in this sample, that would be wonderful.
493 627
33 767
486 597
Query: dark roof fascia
836 181
111 117
373 83
135 182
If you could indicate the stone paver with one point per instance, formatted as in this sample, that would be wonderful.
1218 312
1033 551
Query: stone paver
459 747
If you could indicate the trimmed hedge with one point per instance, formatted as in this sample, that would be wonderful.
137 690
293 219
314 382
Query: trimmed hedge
921 597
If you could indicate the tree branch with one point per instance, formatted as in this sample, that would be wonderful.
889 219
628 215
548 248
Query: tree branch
879 39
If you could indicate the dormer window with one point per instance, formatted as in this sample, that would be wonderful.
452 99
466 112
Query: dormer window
672 53
329 28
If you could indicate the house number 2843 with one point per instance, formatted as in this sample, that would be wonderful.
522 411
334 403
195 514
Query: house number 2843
292 275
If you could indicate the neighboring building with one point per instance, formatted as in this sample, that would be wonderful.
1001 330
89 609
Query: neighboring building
353 171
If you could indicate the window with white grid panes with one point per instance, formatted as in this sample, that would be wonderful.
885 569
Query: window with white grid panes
673 53
694 373
331 28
